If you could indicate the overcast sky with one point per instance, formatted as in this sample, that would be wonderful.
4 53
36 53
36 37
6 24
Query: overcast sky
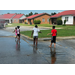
28 11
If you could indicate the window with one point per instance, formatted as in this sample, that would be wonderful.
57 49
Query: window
43 20
66 18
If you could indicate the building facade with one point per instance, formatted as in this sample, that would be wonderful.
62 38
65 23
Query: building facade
69 16
43 17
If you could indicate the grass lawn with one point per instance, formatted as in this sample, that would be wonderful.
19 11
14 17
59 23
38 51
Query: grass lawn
65 31
60 33
21 24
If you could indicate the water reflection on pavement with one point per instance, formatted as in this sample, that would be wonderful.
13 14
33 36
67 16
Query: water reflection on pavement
53 55
17 45
11 52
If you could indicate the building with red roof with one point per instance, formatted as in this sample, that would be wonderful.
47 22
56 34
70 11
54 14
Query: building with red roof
18 18
68 15
7 17
43 17
12 18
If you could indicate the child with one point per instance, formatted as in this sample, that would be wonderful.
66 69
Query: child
18 33
35 35
15 32
54 34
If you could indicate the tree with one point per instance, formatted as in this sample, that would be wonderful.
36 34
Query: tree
30 13
8 13
53 13
27 15
35 13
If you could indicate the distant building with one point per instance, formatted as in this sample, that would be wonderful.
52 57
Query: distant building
13 18
18 18
68 15
43 17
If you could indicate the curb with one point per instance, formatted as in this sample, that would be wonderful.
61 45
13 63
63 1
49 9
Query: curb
39 39
47 39
65 38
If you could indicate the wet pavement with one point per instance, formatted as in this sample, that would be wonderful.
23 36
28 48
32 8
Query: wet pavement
6 33
12 52
64 53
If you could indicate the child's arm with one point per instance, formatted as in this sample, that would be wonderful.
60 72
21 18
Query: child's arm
13 31
40 32
49 34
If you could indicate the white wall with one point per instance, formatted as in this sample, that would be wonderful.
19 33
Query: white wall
70 19
9 20
23 17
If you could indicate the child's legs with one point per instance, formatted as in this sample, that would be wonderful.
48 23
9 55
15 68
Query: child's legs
19 38
54 41
16 36
50 45
51 41
54 45
36 41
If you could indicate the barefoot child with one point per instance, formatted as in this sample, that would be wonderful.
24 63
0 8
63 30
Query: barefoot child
35 35
15 32
54 34
18 33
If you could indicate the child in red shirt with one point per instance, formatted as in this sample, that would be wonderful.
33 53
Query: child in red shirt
54 34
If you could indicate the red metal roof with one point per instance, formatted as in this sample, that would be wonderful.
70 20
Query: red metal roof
18 16
7 16
68 12
33 16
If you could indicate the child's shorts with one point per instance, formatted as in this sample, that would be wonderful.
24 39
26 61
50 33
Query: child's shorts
35 37
53 39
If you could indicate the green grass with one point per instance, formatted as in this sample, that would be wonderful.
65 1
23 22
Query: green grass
21 24
17 24
42 25
60 33
65 31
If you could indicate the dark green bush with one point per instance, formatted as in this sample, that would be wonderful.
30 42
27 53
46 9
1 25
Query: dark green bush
37 21
26 23
64 23
59 21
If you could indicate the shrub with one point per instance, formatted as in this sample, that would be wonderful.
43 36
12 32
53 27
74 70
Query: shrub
64 22
59 21
26 23
37 21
